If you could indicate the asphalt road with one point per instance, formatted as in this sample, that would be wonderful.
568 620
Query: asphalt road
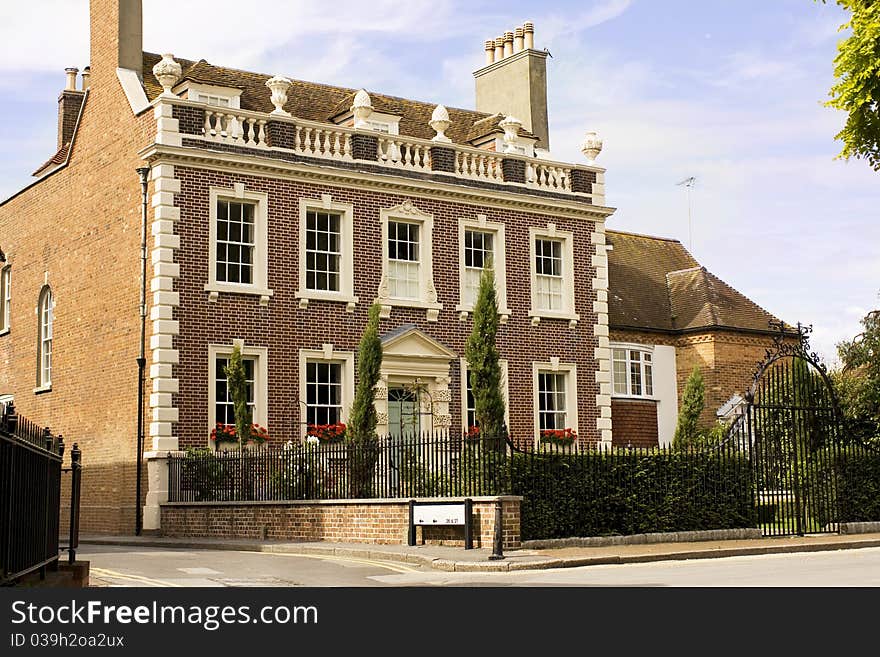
128 566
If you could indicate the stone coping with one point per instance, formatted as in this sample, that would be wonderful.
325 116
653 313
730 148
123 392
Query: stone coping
643 539
355 502
860 527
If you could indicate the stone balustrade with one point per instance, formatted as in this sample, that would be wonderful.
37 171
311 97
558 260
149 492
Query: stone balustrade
311 139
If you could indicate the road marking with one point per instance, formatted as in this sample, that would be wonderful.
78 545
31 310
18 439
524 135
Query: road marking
104 572
397 568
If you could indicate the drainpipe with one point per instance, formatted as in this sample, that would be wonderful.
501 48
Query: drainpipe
144 173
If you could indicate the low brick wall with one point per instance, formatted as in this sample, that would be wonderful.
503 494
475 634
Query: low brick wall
344 521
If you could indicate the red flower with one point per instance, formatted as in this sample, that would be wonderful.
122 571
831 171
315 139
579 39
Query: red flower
327 433
559 436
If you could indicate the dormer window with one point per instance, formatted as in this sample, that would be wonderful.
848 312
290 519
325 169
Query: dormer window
209 94
386 124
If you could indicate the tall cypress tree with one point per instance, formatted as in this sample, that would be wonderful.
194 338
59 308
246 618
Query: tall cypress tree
237 382
362 423
363 453
483 361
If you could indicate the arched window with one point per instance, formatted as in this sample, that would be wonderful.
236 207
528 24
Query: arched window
44 338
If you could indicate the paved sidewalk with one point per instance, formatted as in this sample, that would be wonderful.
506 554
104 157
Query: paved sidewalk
460 560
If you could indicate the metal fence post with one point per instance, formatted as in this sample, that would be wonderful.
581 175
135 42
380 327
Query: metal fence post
76 474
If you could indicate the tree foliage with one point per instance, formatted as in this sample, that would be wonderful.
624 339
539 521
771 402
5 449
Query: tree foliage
362 422
364 452
237 384
857 91
687 431
858 382
484 364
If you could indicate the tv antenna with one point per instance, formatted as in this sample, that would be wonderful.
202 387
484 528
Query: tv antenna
689 184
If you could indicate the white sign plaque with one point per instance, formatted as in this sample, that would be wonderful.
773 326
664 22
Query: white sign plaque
438 514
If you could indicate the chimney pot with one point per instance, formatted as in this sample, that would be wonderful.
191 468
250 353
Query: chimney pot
490 51
86 75
508 44
529 34
499 48
518 40
71 79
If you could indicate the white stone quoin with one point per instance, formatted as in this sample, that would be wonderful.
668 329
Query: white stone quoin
591 146
279 85
362 108
167 72
440 124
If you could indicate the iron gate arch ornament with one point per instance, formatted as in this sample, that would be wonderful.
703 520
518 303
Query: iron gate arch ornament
794 432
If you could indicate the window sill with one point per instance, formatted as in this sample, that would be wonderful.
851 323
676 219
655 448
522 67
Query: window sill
463 312
315 295
646 398
537 315
214 290
4 331
432 308
39 390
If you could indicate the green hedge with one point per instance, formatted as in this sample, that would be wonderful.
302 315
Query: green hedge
600 494
858 484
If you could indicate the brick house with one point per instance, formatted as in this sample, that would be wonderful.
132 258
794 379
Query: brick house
279 210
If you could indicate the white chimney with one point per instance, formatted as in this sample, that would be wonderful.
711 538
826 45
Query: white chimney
515 83
71 79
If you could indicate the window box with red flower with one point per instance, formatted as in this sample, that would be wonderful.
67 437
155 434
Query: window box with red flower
225 435
326 434
559 437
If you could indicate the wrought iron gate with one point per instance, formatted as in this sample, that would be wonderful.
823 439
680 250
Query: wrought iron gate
795 432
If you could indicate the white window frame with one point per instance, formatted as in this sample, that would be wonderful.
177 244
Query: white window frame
379 122
499 263
408 213
505 392
260 413
346 260
569 370
568 291
259 286
5 299
642 349
192 91
45 309
327 354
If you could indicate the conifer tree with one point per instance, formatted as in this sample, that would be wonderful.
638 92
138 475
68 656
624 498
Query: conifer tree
237 384
687 432
484 365
362 421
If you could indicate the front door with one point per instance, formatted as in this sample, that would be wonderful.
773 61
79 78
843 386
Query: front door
403 412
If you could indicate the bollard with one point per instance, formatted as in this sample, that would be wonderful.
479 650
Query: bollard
498 542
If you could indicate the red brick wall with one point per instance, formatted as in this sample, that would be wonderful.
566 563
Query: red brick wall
80 230
285 328
378 522
634 423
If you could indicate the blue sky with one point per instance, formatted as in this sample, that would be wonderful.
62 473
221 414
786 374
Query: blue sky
729 92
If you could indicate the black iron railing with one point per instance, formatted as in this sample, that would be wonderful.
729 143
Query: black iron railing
30 496
427 465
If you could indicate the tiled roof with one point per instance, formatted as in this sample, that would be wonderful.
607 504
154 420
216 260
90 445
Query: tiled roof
656 284
60 157
318 102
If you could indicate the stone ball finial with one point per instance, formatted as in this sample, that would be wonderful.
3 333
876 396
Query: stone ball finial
440 124
591 146
167 72
279 85
362 107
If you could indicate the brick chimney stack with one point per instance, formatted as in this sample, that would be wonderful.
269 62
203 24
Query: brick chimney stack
69 104
116 37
